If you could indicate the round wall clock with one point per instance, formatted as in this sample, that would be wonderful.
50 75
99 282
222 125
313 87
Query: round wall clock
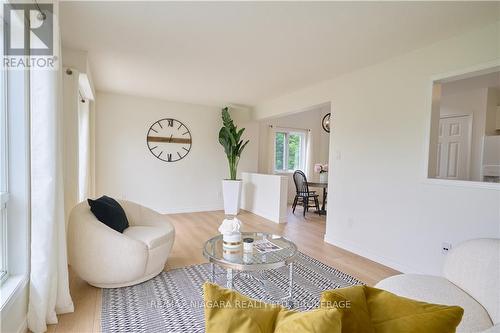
326 122
169 140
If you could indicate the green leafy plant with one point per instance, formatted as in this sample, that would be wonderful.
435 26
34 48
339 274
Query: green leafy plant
230 139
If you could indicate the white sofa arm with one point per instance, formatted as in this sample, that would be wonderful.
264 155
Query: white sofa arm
100 254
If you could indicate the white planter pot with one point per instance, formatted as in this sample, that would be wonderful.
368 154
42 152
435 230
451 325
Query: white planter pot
231 192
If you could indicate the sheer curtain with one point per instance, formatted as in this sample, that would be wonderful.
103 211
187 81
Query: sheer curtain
309 156
270 149
83 149
49 288
70 119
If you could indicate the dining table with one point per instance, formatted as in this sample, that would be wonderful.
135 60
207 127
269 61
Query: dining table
324 186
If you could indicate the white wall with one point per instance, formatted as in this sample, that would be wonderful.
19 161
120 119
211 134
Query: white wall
80 79
125 168
311 120
13 317
265 195
381 205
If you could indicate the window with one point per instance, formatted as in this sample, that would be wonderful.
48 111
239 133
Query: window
14 179
289 150
3 176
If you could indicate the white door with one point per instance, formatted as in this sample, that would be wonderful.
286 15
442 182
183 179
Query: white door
454 147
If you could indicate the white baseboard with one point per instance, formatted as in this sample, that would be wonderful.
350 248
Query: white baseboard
351 247
211 208
204 208
266 215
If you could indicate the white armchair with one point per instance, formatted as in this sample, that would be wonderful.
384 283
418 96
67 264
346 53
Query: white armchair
471 279
106 258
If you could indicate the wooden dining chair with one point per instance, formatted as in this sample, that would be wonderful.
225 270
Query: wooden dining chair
303 196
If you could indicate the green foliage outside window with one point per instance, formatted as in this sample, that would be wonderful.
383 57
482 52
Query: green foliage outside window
280 150
294 145
288 149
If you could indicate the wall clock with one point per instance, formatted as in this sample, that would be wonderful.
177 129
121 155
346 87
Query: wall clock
169 140
325 123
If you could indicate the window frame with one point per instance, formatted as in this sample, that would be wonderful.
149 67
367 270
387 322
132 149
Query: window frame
426 176
17 178
302 152
4 173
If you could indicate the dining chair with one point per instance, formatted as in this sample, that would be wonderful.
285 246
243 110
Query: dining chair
303 196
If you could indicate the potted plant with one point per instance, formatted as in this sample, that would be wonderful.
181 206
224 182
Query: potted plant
230 139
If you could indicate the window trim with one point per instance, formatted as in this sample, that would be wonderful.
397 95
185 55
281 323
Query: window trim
4 176
4 270
303 152
17 116
17 113
18 182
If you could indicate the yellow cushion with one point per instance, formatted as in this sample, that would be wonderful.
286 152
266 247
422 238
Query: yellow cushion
371 310
229 311
352 303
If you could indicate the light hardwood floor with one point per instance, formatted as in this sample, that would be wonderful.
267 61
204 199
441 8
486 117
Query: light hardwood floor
193 229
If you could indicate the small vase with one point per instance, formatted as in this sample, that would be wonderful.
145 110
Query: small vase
231 246
323 177
232 240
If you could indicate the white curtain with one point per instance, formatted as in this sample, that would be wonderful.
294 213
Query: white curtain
270 149
49 288
71 149
83 149
309 156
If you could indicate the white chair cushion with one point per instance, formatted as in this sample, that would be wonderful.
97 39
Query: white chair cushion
151 236
438 290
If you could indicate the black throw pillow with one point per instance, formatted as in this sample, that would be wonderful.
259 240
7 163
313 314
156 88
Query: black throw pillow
108 211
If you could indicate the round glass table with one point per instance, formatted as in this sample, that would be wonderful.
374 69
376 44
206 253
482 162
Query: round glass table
279 252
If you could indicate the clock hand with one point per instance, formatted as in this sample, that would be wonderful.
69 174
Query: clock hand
170 139
171 135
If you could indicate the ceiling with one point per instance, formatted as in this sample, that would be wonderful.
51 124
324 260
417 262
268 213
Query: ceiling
217 53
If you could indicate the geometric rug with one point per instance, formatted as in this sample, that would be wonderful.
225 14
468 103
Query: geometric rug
173 301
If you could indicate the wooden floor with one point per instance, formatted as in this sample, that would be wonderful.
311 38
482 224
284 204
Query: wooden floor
193 229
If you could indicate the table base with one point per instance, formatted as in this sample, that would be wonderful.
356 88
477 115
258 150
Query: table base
231 275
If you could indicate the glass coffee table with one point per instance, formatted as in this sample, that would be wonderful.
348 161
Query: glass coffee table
235 259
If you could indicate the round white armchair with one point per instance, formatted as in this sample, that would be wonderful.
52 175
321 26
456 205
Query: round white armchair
106 258
471 280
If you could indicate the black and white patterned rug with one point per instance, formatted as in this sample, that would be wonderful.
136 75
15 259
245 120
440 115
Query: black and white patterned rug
173 301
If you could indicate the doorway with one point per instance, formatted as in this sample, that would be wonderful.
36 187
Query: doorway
298 141
453 150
